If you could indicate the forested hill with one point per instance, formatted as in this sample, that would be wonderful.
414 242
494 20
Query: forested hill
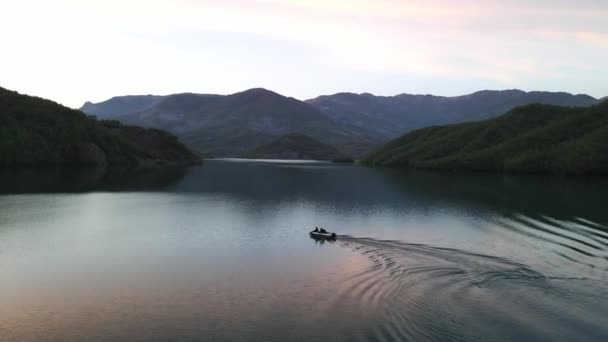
34 132
296 146
530 139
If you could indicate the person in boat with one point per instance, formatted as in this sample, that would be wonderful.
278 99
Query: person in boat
316 229
323 231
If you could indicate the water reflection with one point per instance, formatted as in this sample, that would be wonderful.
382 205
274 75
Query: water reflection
558 197
335 185
346 186
321 241
71 180
220 252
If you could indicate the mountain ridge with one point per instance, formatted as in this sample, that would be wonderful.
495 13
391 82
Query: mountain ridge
89 104
391 116
230 125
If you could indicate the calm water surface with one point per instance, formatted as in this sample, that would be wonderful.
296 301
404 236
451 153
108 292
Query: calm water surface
221 253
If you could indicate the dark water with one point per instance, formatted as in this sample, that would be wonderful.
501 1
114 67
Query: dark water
221 253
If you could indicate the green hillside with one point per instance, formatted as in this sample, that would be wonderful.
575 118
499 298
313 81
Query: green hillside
296 146
530 139
34 131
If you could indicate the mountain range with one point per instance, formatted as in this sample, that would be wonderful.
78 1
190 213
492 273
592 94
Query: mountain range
234 125
392 116
569 136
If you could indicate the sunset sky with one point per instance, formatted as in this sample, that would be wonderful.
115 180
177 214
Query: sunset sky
73 51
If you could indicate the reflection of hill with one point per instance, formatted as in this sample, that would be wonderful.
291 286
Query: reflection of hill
552 196
62 180
321 183
348 187
336 187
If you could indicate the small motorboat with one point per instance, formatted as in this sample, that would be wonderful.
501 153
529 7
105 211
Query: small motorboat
322 236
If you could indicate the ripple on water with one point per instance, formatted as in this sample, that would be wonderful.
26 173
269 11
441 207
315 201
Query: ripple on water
576 241
419 292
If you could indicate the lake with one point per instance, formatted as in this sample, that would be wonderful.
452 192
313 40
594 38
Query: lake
221 252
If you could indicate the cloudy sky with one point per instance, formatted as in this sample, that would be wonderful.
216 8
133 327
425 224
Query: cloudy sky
73 51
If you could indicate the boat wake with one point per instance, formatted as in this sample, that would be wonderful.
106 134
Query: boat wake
419 292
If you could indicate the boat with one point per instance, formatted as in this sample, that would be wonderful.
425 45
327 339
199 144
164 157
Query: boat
323 236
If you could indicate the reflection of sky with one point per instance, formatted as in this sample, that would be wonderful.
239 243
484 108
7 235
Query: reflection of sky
124 260
302 48
225 250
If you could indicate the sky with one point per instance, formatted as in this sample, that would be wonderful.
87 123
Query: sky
72 51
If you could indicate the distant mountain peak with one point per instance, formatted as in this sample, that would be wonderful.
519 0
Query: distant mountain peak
258 92
120 105
513 90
